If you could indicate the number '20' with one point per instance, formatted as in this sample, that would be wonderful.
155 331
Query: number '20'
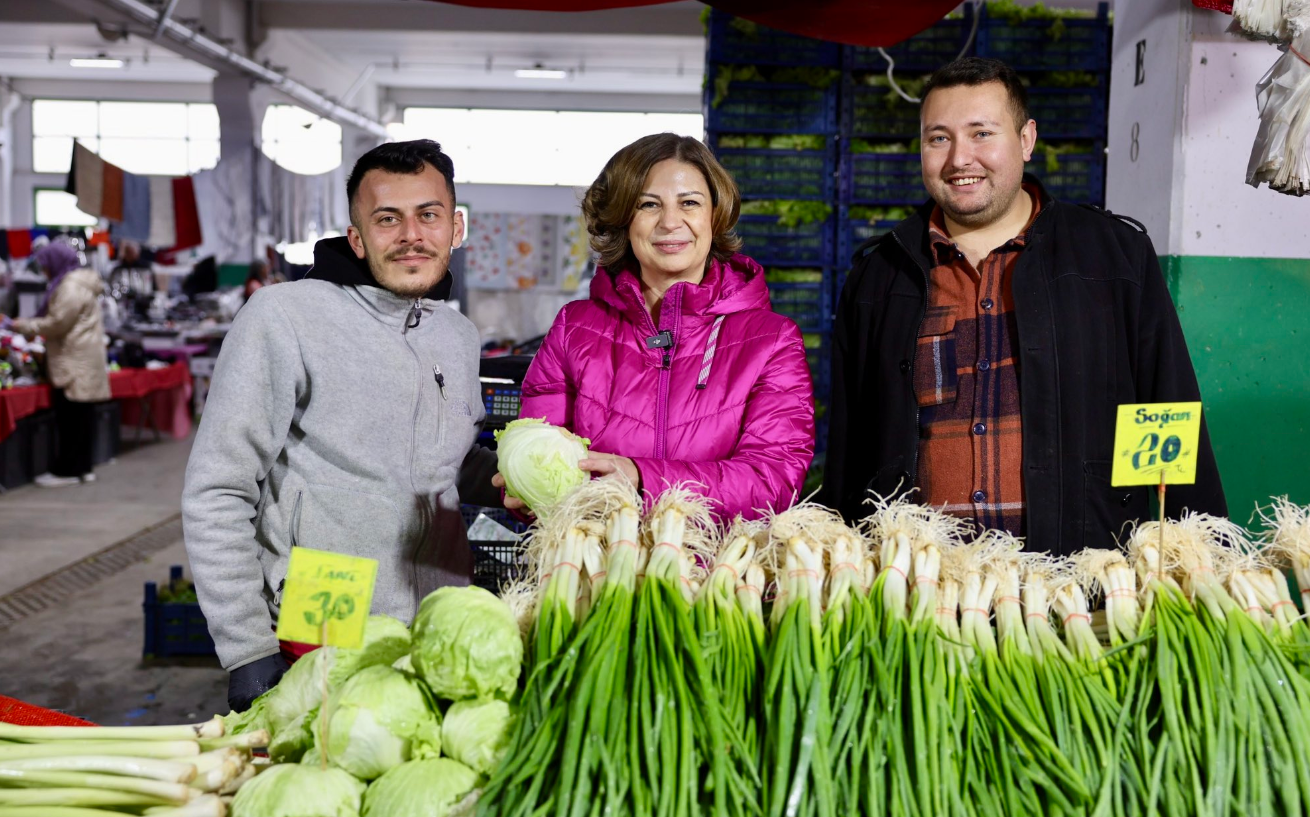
1149 449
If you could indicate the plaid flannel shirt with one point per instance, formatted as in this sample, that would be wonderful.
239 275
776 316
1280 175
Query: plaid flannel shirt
967 384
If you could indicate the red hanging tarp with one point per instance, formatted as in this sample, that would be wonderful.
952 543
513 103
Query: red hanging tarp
855 22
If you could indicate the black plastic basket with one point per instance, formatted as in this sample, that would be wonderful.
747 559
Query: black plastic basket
1038 45
809 304
733 41
882 179
1069 113
926 51
495 562
866 114
773 244
1080 177
852 233
763 173
771 107
174 628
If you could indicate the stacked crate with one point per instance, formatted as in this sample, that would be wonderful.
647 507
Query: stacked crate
1066 64
774 127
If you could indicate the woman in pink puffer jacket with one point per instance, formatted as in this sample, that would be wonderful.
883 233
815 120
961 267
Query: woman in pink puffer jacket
675 368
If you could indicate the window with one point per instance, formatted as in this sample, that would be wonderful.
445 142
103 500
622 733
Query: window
147 138
301 141
536 147
55 208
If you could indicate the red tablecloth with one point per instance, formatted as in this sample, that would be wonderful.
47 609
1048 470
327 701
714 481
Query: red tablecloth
15 404
167 391
17 712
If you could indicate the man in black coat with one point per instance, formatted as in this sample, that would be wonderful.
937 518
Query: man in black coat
982 346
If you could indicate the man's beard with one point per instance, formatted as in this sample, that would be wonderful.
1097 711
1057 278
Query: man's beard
406 286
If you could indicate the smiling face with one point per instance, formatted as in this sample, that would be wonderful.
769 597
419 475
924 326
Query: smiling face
974 152
672 231
405 225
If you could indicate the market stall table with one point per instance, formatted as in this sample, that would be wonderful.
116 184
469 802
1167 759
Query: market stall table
20 402
158 397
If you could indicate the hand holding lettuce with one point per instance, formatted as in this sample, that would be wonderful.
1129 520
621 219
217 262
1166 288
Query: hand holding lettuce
539 462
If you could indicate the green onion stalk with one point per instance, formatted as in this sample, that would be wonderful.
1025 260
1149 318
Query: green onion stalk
1270 698
984 777
889 787
750 595
525 783
930 727
685 758
846 626
797 762
1287 533
593 771
1187 716
1078 681
722 614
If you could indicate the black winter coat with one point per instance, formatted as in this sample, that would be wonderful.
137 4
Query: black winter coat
1096 328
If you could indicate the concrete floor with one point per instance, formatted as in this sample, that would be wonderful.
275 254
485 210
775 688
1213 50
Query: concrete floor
83 655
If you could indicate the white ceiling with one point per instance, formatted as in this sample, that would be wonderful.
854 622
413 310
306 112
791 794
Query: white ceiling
42 51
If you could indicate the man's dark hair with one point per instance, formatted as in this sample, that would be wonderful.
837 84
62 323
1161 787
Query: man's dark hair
980 71
401 157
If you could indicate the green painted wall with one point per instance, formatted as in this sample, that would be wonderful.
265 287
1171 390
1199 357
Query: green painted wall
1247 322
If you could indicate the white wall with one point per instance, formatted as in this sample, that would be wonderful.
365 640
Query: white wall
1194 120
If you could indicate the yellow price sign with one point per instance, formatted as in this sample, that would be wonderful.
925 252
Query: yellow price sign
1156 443
326 598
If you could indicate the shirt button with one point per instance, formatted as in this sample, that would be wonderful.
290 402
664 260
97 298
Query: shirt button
987 303
979 428
979 496
984 365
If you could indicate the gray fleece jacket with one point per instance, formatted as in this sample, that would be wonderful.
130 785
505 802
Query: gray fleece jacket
334 422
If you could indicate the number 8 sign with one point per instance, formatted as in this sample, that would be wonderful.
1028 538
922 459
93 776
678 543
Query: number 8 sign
1156 443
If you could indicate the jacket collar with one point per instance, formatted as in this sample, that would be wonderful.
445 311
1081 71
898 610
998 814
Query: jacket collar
335 261
729 286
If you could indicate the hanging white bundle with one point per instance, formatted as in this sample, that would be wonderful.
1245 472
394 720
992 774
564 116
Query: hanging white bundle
1280 156
1261 19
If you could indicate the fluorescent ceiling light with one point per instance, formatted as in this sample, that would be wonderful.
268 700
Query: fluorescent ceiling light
541 73
95 62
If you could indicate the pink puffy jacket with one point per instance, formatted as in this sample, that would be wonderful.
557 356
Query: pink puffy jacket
728 406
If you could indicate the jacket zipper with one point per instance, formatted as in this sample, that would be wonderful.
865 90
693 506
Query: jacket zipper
913 470
415 315
666 366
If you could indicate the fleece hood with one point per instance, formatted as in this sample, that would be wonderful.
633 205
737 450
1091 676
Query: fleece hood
335 262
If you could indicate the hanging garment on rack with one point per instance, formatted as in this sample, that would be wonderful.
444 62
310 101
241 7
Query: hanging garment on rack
88 179
135 224
163 231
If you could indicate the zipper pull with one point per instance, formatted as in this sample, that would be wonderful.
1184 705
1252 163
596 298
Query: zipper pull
415 315
666 359
441 380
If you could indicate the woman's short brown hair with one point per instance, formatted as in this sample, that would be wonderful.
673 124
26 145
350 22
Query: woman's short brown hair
611 202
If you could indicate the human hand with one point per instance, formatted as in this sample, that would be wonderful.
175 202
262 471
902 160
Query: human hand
248 682
511 503
607 464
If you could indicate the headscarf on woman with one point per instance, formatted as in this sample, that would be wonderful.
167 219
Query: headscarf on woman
57 259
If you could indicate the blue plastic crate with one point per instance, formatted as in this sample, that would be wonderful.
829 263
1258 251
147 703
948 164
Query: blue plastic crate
926 51
882 179
851 233
770 107
772 244
809 304
1069 113
818 354
1080 177
865 113
748 43
173 628
1083 45
782 174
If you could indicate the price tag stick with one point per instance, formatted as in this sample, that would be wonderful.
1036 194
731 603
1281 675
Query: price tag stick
1162 514
322 710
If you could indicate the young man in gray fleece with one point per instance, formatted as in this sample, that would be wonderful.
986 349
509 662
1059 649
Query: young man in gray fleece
342 416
